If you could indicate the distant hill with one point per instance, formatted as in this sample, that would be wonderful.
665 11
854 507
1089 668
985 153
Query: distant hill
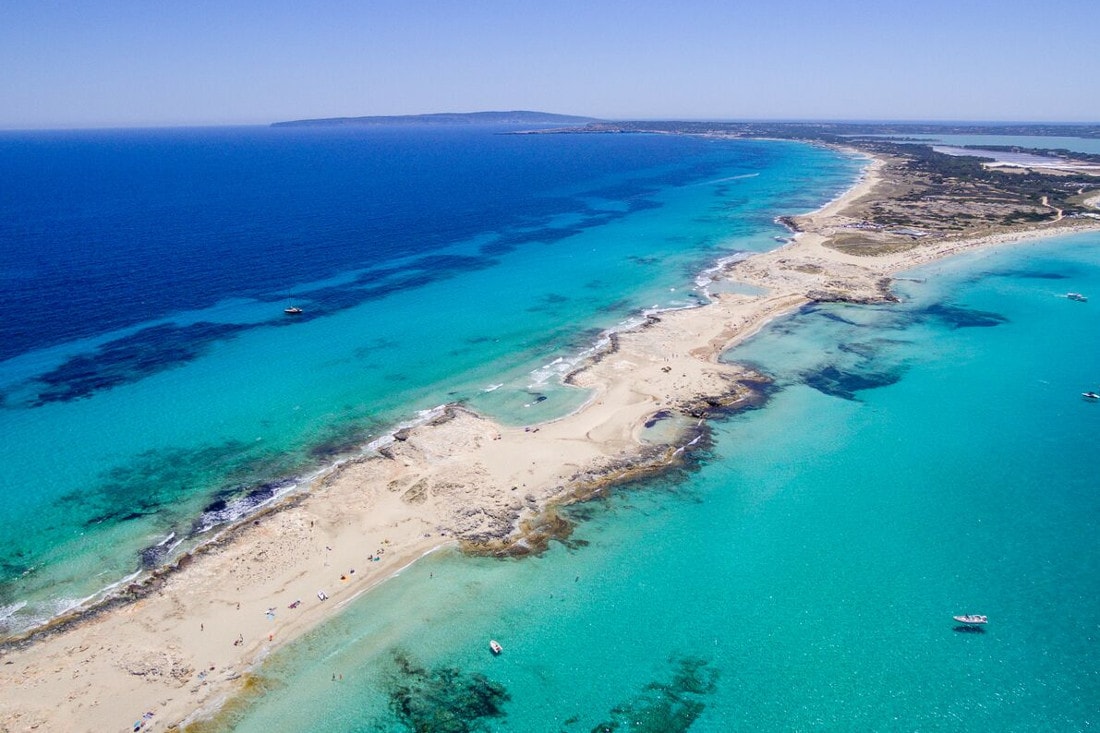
519 117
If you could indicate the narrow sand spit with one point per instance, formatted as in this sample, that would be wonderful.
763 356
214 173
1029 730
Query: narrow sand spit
180 649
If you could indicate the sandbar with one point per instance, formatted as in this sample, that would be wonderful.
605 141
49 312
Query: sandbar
185 641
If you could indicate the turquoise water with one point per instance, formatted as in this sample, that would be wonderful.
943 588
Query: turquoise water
916 461
152 389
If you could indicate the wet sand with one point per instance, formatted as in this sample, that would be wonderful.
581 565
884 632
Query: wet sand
182 648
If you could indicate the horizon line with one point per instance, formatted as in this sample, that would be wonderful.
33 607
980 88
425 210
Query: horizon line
720 120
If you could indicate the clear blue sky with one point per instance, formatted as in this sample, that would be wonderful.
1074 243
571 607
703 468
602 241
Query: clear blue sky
81 63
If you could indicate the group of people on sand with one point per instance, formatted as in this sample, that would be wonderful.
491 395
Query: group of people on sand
321 595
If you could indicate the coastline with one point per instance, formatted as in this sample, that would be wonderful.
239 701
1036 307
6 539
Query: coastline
457 479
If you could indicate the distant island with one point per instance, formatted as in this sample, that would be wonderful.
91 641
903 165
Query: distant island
515 117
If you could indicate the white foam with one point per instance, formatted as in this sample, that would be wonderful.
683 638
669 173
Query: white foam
422 417
10 610
707 277
242 507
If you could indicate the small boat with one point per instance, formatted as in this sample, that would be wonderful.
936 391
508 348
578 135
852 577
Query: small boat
1078 297
1091 395
495 647
971 619
292 310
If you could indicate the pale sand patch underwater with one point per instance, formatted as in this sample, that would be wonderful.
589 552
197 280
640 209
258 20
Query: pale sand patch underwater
188 641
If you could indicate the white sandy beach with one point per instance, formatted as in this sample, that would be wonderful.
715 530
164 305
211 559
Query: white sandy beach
186 647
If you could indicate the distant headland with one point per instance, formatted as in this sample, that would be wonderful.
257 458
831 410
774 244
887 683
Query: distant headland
515 117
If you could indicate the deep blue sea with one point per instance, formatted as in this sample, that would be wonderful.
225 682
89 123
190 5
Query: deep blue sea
152 388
